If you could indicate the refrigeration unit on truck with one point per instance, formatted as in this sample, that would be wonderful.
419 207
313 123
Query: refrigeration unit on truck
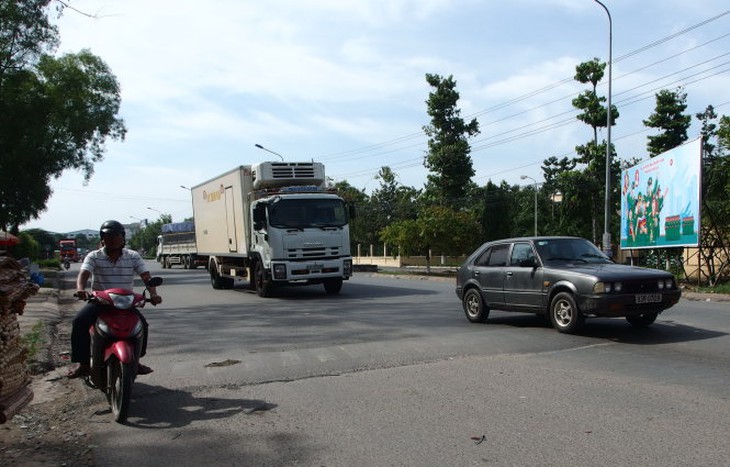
176 246
275 224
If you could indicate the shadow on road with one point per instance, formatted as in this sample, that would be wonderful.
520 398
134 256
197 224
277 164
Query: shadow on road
156 407
615 329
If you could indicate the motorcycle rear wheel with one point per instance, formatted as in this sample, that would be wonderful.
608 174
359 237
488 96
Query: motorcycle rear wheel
119 387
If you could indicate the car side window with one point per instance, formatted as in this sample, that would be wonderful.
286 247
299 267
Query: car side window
483 259
498 256
521 252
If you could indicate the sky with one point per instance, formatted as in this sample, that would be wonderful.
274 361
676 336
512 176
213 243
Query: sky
342 82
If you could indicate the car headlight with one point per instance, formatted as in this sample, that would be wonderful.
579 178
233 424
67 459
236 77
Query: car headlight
607 287
669 284
660 284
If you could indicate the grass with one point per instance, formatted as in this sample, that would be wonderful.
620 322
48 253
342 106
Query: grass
33 339
718 288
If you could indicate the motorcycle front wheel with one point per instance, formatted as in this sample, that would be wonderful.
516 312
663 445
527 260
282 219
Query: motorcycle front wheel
119 387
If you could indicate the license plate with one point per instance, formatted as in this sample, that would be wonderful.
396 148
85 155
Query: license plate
649 298
314 268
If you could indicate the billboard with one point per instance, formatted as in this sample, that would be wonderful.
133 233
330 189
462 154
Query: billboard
660 199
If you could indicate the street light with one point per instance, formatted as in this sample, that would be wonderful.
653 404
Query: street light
607 214
523 177
269 150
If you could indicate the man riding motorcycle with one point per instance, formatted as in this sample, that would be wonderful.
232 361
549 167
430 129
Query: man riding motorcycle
111 266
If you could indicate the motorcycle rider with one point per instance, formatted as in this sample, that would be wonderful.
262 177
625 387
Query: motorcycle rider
111 266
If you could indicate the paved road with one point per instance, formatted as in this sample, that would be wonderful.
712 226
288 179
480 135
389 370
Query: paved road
391 373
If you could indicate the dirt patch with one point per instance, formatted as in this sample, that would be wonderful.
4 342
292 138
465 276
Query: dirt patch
54 428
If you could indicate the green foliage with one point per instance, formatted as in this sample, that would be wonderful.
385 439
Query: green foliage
437 229
27 248
53 263
146 239
668 117
33 340
55 113
448 156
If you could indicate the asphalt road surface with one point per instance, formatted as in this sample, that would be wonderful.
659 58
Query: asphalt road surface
390 373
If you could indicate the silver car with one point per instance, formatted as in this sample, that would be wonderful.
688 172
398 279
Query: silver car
564 278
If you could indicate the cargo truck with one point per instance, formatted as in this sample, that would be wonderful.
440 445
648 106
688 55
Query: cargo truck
176 246
275 224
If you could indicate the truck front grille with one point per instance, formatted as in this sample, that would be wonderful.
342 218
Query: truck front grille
313 253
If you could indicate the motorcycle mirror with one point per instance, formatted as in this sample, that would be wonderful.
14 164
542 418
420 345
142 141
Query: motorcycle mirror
154 282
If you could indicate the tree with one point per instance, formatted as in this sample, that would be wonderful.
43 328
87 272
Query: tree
55 113
668 117
593 154
448 148
497 211
708 131
594 113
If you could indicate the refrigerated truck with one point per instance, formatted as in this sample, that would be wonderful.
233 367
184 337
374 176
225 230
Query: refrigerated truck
176 246
275 224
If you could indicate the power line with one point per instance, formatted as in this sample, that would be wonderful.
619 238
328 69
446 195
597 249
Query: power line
364 152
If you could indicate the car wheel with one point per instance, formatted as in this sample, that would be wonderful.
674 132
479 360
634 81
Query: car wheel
474 308
642 320
564 313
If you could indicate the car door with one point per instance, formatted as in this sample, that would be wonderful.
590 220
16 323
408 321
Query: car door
489 272
523 281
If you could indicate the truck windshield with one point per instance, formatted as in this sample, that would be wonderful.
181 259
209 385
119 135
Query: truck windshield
307 212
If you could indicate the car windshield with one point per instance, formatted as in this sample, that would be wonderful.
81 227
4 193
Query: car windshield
569 250
308 212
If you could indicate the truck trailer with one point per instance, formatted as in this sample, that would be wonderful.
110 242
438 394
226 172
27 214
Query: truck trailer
275 224
176 246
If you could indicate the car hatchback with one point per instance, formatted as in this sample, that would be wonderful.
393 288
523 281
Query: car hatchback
564 278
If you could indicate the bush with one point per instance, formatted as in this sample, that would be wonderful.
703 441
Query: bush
54 263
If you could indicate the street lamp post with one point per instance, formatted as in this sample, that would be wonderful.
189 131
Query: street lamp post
269 150
607 212
523 177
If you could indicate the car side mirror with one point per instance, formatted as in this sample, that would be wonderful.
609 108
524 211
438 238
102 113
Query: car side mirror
528 263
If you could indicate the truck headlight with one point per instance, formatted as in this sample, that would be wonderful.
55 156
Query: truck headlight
279 271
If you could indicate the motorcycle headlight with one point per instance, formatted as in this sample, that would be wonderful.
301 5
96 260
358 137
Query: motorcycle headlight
122 301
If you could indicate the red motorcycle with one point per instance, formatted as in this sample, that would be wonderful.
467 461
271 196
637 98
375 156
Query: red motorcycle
116 344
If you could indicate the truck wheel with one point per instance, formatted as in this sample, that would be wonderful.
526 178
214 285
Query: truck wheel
263 285
333 286
215 280
163 263
565 315
643 320
186 262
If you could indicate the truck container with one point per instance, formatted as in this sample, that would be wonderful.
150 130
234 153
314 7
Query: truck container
273 223
176 246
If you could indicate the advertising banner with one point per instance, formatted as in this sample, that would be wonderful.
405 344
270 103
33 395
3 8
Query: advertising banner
660 199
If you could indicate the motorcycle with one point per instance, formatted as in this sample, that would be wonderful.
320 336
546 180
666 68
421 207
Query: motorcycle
66 263
116 344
